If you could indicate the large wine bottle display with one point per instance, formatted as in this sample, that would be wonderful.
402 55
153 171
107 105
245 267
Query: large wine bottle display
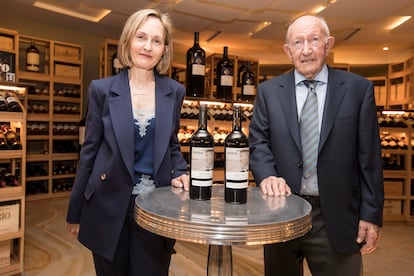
196 69
32 58
248 84
201 159
236 168
224 77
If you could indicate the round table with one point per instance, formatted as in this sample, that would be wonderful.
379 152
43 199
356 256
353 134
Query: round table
169 212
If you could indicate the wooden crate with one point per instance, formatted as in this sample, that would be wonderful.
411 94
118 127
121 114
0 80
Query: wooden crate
9 218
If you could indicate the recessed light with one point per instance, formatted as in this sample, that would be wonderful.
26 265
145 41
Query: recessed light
81 11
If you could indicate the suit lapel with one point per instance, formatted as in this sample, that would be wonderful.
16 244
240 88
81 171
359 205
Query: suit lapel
164 114
335 93
119 102
287 98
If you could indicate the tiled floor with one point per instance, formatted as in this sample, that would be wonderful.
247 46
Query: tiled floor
51 251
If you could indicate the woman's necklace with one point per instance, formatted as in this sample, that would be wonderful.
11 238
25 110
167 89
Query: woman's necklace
135 90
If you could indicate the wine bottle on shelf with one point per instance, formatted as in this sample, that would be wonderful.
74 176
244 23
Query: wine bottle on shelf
240 72
116 64
224 77
3 104
13 104
11 137
248 83
196 69
3 141
236 167
32 58
201 159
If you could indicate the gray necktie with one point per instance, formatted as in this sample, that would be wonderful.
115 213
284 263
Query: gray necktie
309 130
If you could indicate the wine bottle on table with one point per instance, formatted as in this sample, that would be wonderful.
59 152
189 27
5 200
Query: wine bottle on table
236 167
248 83
196 69
32 58
224 77
201 159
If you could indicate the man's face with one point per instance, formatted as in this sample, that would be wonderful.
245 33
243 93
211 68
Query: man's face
308 46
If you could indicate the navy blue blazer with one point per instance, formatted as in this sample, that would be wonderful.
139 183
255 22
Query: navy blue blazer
105 174
349 161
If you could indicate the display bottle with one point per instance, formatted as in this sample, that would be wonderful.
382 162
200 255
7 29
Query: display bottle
240 72
236 167
116 64
32 58
3 141
196 69
13 104
201 159
248 84
11 138
3 104
224 77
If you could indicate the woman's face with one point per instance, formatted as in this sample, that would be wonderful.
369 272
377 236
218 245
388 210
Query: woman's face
148 45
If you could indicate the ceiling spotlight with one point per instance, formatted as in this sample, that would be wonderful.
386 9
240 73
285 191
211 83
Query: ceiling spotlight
260 27
385 48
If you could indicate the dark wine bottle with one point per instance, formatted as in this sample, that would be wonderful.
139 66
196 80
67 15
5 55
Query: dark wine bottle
13 104
248 84
32 58
116 64
224 77
3 104
236 167
3 141
196 69
201 159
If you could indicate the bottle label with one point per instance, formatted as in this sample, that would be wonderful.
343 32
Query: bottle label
202 165
226 77
248 90
199 69
33 61
237 168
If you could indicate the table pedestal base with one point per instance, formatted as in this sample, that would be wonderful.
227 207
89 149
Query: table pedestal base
220 260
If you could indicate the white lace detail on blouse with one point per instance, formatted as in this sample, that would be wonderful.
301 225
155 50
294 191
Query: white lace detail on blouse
142 118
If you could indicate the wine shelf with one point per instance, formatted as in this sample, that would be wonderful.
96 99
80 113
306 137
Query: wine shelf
54 109
13 181
397 142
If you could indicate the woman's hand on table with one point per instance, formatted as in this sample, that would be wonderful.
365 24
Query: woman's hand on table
182 181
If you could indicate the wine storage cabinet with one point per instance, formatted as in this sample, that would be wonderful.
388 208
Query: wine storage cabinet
397 142
12 183
211 63
54 109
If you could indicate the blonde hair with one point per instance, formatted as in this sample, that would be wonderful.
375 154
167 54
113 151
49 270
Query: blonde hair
131 26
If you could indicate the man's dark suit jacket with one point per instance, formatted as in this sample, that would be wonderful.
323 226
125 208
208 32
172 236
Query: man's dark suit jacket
349 161
105 175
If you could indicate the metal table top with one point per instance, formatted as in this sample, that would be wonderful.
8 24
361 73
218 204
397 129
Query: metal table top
169 212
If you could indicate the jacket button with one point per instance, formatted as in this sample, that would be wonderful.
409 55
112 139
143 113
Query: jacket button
103 176
300 164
